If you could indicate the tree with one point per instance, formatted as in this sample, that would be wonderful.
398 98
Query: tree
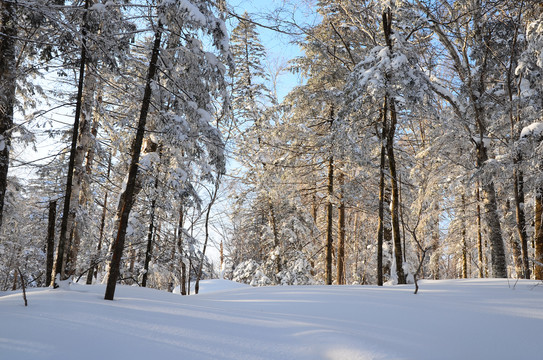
205 74
8 77
471 63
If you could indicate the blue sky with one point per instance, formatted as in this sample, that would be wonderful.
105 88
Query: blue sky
279 46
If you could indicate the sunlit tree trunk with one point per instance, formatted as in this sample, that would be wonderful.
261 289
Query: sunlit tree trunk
390 106
497 250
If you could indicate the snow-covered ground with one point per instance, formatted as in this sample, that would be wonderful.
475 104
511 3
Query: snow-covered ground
454 319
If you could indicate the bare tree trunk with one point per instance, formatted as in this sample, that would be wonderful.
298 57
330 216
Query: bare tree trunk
276 242
514 243
95 258
389 104
148 251
518 178
212 201
480 262
521 221
50 241
329 226
126 200
80 172
538 236
497 250
381 210
381 214
66 215
464 240
221 255
395 204
341 233
180 247
8 31
150 233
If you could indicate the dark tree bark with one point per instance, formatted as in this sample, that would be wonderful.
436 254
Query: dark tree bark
181 253
8 36
389 106
538 236
480 257
95 268
50 241
464 240
127 196
521 221
395 203
276 243
150 235
381 210
66 214
341 233
200 266
514 243
518 177
381 213
329 225
148 251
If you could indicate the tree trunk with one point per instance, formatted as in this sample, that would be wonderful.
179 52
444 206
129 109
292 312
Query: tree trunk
276 243
464 241
95 268
381 214
50 241
480 263
341 233
538 235
212 201
492 219
66 214
180 247
395 204
514 243
329 226
126 200
521 221
8 31
389 104
80 171
148 251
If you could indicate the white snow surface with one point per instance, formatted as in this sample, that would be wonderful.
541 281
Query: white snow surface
535 130
449 319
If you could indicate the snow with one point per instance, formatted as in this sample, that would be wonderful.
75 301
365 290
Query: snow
193 12
535 130
98 7
451 319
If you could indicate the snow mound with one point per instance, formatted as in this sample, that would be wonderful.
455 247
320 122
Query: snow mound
535 130
453 319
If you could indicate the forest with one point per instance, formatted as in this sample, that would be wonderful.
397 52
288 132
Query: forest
147 142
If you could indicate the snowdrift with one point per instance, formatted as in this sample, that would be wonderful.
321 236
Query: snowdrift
456 319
